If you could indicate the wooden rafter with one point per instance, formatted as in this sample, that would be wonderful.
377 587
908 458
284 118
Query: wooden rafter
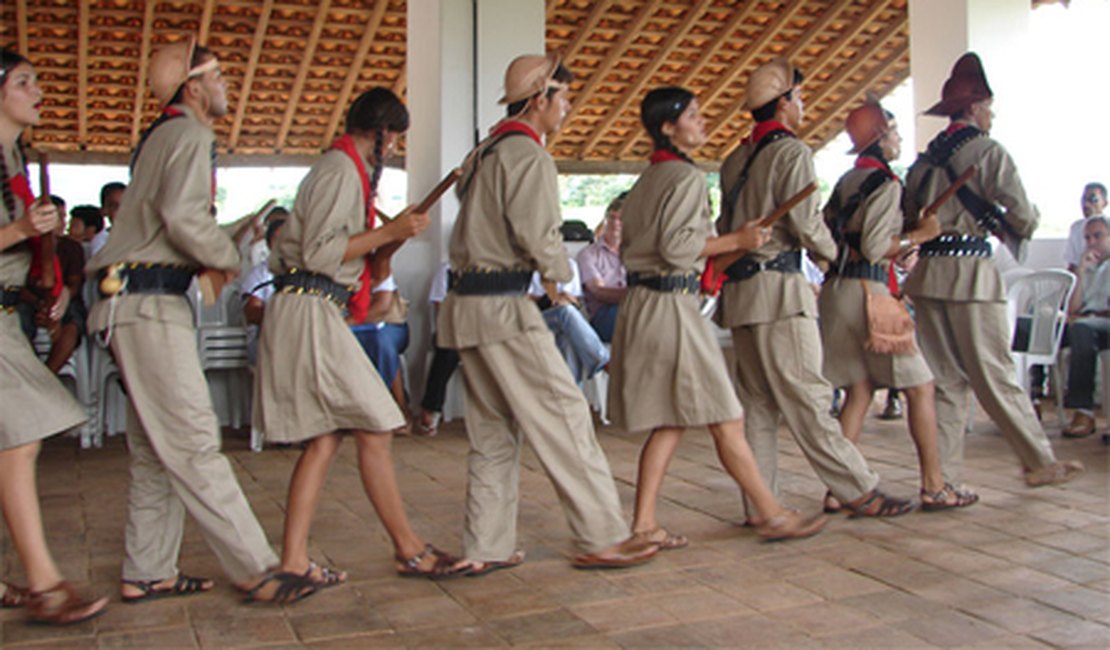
206 21
616 50
140 79
583 33
83 72
845 73
248 79
302 72
352 76
645 76
21 25
708 53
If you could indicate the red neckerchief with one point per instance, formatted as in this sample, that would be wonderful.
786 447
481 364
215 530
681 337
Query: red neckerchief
662 155
359 304
869 162
21 189
763 128
510 126
956 126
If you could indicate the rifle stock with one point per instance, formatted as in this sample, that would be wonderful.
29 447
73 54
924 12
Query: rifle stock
46 240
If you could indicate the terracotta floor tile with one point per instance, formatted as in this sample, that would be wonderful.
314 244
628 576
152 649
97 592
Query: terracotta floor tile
473 636
437 611
1021 616
540 627
314 626
1079 635
173 638
949 629
836 584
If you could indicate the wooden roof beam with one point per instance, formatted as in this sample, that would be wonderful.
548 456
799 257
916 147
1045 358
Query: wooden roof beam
615 52
302 73
206 21
82 72
248 78
592 19
816 27
352 75
644 76
140 80
845 73
21 26
707 55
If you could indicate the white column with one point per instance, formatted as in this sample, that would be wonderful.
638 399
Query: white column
457 54
997 30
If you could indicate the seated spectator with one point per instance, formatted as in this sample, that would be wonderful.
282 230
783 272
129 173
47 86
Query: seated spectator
111 196
385 337
603 275
444 362
1088 325
85 224
576 340
1093 203
256 288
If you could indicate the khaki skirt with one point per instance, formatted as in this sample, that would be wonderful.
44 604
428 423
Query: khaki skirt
313 377
666 367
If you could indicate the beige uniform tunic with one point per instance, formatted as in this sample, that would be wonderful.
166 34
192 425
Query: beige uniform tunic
34 403
666 367
774 328
172 430
313 377
962 326
518 386
842 303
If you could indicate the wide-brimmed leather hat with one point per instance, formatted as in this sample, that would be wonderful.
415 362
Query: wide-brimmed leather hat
866 124
169 68
966 85
768 81
530 75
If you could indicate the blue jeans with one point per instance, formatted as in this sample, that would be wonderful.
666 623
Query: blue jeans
1086 337
577 341
384 347
605 321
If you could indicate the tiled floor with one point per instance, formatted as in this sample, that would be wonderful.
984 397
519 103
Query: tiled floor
1025 568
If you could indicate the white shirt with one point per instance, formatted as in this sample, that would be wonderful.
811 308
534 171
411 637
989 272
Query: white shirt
439 285
571 288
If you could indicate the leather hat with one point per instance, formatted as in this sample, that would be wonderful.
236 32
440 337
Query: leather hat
768 81
866 124
966 85
530 75
169 68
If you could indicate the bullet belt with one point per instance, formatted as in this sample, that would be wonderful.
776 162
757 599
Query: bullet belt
299 282
488 283
746 267
148 277
956 246
688 283
9 298
861 269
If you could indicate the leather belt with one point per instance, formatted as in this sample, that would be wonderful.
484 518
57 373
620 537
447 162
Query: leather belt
687 283
488 283
746 267
314 284
9 298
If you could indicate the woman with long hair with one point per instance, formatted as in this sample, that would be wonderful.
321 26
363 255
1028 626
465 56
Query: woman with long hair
667 369
314 383
36 405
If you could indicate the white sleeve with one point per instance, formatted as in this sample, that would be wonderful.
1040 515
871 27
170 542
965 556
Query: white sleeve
536 287
439 285
388 284
574 287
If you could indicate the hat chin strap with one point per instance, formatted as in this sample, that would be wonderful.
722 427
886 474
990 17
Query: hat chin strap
210 64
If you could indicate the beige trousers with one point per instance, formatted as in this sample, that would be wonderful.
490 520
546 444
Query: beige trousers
778 367
176 464
967 344
521 389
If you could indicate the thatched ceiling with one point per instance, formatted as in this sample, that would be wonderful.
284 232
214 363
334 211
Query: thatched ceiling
291 65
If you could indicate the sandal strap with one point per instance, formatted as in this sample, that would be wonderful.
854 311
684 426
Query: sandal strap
188 584
415 561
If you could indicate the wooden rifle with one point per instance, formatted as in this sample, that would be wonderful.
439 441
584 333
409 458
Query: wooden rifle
714 275
380 267
47 241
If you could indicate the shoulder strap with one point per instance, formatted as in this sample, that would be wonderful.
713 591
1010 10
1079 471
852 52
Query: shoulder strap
939 154
728 199
164 117
843 213
481 151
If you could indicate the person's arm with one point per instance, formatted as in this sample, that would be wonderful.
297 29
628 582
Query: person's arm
804 221
41 218
1075 303
253 310
406 226
597 290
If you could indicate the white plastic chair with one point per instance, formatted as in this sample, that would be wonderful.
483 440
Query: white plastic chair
225 349
596 389
76 373
110 401
1042 297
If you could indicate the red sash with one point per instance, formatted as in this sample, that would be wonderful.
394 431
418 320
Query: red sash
21 188
359 304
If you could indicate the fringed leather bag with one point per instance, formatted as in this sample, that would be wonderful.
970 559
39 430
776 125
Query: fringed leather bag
890 328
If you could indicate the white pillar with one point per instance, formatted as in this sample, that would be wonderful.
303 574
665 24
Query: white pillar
457 54
997 30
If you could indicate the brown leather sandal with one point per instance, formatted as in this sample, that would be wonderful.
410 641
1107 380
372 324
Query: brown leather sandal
937 501
62 605
13 595
443 567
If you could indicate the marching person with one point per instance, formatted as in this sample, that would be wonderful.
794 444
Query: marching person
36 405
667 371
865 218
518 387
314 381
164 234
957 290
771 309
